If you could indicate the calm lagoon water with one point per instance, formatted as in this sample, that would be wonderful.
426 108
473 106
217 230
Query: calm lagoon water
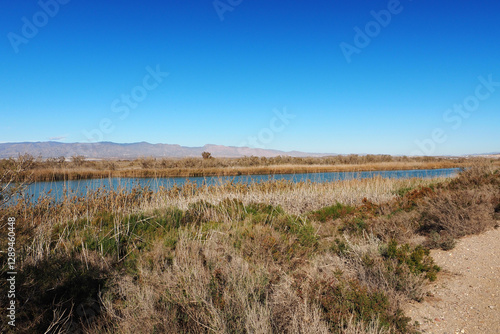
80 187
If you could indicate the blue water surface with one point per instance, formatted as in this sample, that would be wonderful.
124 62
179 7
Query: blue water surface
56 189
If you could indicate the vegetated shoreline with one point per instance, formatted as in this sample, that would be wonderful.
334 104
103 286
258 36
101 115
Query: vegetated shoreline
46 174
273 257
78 167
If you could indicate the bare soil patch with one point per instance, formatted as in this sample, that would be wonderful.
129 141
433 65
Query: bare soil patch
466 296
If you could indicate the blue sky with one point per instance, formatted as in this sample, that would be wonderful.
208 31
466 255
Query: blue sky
357 76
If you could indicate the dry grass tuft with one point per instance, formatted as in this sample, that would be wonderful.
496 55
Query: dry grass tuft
207 287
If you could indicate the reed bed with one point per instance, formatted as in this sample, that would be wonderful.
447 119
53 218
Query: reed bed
293 197
80 168
53 174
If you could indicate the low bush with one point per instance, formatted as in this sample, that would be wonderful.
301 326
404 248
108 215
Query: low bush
344 300
417 259
458 212
332 212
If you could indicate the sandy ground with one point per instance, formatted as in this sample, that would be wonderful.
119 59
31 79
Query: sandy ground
466 296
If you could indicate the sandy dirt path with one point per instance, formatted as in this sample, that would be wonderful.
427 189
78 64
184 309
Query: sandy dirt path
466 296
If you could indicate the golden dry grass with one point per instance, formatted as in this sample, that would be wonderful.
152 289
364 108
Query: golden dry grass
53 174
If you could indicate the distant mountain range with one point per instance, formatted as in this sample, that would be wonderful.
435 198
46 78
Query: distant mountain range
486 154
110 150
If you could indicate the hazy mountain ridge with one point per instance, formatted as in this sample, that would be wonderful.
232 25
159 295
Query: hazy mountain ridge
110 150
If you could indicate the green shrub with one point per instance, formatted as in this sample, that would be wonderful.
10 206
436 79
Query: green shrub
302 229
403 191
339 247
356 225
261 208
345 299
417 259
332 212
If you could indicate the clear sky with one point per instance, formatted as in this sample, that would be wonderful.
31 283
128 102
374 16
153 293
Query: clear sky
395 77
